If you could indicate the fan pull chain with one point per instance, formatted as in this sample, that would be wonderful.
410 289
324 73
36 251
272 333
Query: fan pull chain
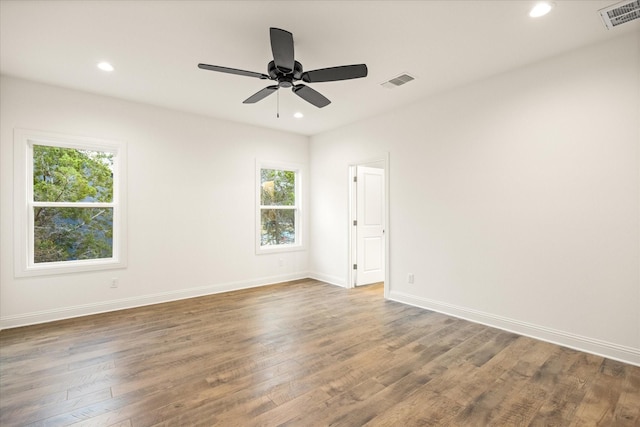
278 106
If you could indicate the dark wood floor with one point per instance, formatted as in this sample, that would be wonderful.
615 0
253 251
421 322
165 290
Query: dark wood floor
301 354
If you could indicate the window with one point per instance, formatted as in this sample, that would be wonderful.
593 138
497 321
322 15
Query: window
278 199
69 211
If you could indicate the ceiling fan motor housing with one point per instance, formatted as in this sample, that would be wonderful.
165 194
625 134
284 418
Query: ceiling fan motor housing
275 73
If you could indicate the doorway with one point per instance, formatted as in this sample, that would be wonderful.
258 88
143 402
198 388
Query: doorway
369 222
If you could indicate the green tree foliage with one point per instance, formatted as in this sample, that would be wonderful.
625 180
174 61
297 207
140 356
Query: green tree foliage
278 188
70 175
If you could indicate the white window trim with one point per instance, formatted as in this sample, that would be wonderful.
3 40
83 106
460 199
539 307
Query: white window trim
24 265
300 242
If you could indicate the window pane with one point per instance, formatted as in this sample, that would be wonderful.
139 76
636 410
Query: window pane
70 175
278 227
67 234
278 187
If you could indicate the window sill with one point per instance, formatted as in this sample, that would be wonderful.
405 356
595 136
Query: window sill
69 267
262 250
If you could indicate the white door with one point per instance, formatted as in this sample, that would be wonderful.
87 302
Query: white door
369 225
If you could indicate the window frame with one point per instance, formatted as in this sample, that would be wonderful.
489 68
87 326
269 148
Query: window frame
297 208
24 204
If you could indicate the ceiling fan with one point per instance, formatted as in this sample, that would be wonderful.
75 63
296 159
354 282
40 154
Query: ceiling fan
285 70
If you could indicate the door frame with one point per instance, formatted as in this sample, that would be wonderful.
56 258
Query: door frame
377 160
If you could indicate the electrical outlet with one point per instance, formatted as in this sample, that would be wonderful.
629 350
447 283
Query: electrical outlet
114 282
410 278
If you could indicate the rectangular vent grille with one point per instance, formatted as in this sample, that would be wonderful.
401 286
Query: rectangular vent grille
398 81
620 13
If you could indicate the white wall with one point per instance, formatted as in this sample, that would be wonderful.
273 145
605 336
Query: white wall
514 200
191 205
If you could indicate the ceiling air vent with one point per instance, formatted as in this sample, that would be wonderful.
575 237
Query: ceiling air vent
398 81
620 13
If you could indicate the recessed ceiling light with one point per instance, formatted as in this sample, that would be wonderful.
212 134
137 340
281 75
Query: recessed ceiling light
541 9
105 66
298 115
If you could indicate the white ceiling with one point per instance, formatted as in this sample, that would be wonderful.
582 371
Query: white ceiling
155 47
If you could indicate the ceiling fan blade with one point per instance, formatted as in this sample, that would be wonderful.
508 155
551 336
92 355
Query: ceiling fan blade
312 96
260 95
333 74
232 71
282 48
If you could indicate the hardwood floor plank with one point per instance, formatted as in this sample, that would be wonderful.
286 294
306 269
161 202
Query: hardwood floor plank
289 409
627 412
421 408
302 353
567 392
604 391
43 411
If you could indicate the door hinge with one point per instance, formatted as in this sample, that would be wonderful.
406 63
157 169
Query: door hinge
355 179
355 222
355 266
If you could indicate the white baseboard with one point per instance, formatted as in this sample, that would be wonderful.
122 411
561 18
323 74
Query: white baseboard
332 280
44 316
590 345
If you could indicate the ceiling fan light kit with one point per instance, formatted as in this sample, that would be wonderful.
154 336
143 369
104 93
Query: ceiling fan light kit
286 71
